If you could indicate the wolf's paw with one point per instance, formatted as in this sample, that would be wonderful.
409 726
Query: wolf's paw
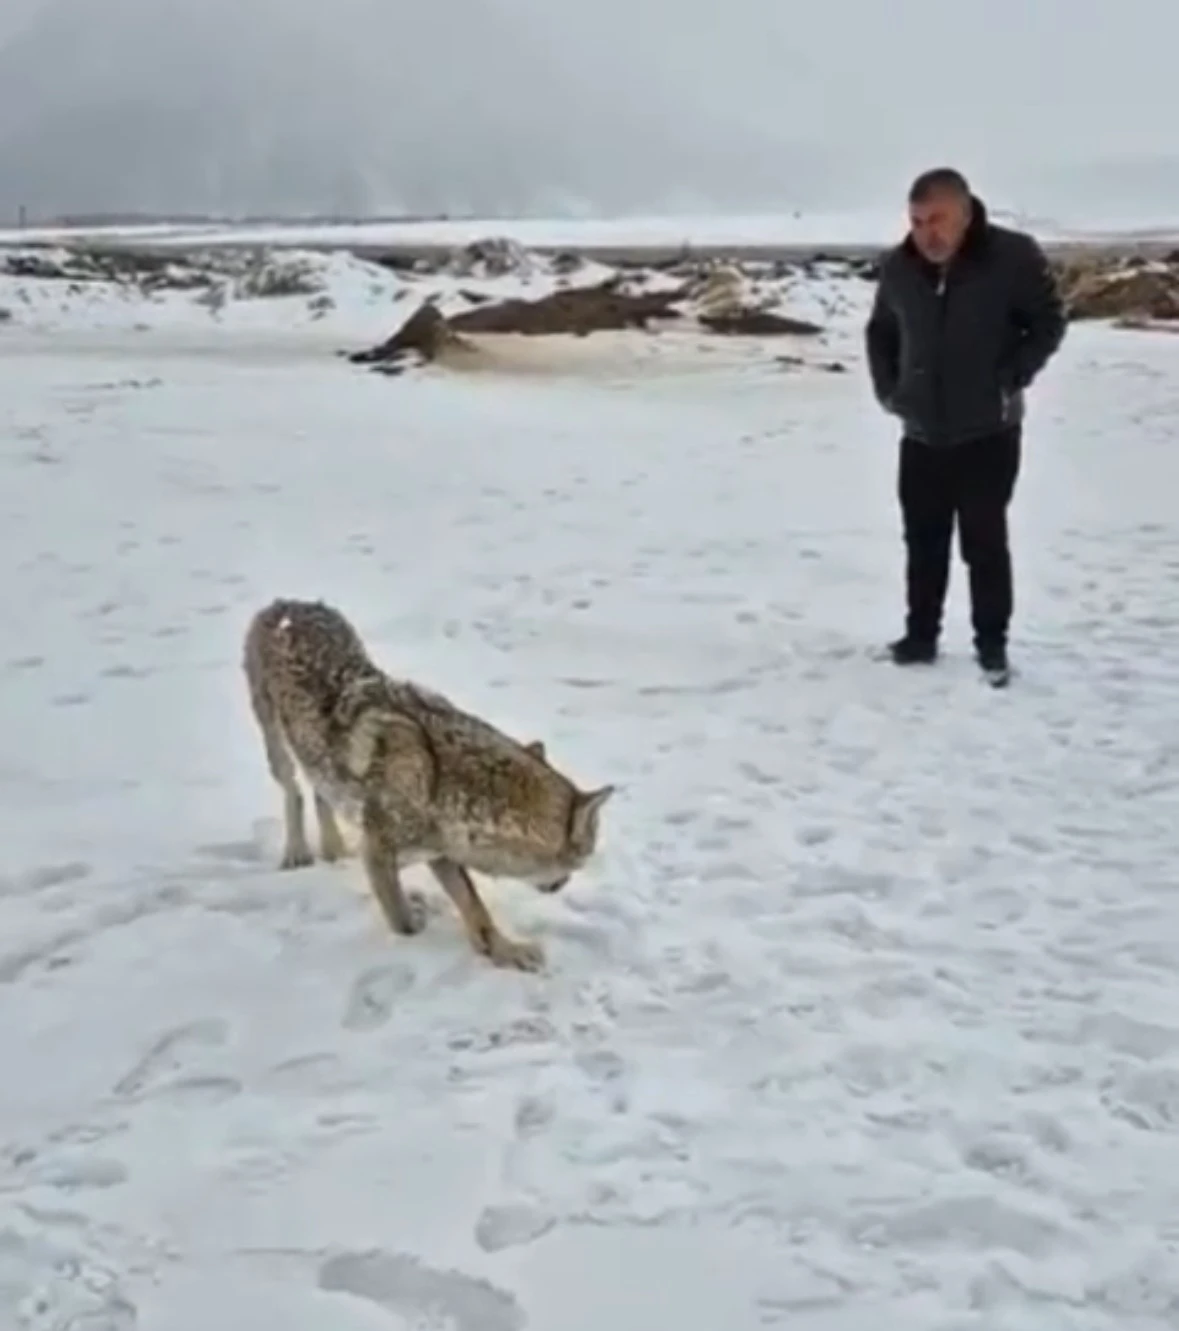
332 849
514 954
411 920
418 911
296 857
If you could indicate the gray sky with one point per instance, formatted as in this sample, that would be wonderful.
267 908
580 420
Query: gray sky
1056 106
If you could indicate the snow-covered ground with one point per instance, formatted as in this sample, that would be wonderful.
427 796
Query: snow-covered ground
866 1014
211 299
801 228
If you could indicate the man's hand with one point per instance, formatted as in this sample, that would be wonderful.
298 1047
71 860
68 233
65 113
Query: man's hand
1039 313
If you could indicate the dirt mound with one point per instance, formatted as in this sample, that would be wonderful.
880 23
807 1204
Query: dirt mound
719 300
728 302
1133 290
149 272
723 290
758 323
425 332
579 310
1145 325
220 274
574 310
269 274
493 256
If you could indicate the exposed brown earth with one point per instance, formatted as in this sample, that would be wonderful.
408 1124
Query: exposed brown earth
720 297
1134 289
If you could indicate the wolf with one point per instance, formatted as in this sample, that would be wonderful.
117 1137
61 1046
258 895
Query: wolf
423 780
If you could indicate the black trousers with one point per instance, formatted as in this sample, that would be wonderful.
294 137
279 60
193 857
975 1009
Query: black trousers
971 483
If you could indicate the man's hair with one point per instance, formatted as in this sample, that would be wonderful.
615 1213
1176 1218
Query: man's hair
941 180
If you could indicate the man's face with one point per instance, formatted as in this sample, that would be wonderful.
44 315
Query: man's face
938 224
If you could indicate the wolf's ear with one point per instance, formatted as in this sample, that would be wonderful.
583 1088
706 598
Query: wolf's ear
584 825
536 748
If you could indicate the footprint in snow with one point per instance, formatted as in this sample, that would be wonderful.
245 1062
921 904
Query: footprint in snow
374 995
169 1053
419 1294
500 1227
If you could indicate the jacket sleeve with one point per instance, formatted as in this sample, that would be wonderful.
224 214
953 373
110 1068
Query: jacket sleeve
882 338
1039 315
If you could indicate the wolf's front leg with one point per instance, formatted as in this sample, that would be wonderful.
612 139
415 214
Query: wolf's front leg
481 929
405 911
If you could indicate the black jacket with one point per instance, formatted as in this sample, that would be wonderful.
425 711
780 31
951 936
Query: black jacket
951 351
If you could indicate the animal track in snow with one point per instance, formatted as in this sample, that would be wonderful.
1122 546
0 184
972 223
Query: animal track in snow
374 994
421 1295
197 1092
977 1222
1147 1099
601 1065
306 1073
79 1172
46 1286
43 878
233 852
70 699
533 1115
121 670
500 1227
169 1053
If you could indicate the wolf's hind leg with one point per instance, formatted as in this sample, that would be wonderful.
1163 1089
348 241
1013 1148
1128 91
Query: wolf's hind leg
404 911
331 840
296 852
481 929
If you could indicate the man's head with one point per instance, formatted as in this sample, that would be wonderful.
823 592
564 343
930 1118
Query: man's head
939 213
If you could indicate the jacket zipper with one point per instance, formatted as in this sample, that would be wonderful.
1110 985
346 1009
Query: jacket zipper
938 382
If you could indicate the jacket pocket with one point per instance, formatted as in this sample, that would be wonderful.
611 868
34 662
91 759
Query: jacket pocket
1006 394
905 400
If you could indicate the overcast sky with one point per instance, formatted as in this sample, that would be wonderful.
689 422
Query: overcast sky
1050 105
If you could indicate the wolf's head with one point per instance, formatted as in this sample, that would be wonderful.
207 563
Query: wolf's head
581 833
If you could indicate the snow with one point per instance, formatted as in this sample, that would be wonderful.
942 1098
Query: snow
285 290
572 232
867 1009
866 228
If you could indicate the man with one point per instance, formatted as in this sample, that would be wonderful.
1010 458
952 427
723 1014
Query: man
966 316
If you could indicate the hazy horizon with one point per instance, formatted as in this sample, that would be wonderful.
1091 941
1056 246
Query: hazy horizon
358 106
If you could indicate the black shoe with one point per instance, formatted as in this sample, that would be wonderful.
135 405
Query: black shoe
992 661
908 651
992 657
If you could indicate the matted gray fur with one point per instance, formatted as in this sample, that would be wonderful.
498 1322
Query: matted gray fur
424 781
